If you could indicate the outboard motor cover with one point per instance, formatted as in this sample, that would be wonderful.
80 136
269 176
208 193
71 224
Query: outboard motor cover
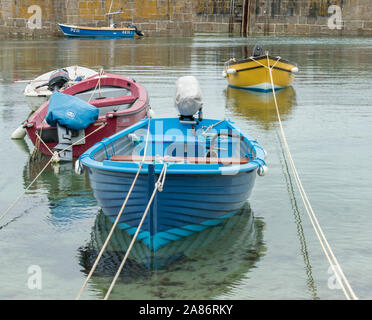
257 50
58 79
70 112
188 99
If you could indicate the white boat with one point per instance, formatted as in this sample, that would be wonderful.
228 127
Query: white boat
36 94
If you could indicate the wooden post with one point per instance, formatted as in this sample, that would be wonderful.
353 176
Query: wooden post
231 19
246 17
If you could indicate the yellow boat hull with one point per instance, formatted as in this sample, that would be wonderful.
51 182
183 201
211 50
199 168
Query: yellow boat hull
253 74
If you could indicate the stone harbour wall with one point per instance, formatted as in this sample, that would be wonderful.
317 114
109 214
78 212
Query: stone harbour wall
311 17
39 18
217 16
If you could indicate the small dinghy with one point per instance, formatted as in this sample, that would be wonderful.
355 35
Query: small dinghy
211 167
76 118
37 93
253 74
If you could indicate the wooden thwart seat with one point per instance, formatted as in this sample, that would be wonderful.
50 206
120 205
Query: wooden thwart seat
113 101
193 160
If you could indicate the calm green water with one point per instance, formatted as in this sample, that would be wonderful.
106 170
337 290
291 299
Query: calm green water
269 251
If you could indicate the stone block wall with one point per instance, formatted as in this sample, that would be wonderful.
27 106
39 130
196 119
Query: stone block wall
39 18
217 16
311 17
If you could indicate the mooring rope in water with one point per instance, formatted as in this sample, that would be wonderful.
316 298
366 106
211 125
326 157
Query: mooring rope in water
55 156
117 218
298 222
158 187
318 230
23 193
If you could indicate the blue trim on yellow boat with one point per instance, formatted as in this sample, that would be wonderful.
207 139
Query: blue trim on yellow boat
255 89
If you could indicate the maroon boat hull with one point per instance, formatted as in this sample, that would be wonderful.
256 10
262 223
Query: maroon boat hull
114 121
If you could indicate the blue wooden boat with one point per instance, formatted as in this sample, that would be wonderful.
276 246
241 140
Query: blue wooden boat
97 32
211 170
112 31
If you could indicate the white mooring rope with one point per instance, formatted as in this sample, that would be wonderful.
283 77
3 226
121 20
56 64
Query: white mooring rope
117 218
158 186
98 84
313 219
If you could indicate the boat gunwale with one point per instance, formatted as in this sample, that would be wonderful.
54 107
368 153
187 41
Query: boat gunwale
252 59
87 158
258 67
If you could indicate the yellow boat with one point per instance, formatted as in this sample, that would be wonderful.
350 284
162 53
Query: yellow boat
253 73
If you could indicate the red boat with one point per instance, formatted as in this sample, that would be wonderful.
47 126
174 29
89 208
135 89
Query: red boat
121 102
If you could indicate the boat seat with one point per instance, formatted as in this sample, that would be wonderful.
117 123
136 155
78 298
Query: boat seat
194 160
113 101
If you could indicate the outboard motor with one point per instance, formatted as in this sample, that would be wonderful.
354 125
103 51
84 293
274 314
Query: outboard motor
257 50
188 99
58 79
138 32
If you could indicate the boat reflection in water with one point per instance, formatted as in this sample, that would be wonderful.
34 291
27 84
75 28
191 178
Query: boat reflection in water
69 195
260 106
201 266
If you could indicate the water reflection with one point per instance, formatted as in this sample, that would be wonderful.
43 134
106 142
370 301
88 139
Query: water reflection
22 145
108 53
69 195
260 106
201 266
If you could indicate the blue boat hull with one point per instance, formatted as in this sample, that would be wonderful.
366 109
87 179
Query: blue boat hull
188 203
195 196
76 31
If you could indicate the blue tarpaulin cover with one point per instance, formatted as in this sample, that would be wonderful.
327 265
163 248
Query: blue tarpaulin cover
70 112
